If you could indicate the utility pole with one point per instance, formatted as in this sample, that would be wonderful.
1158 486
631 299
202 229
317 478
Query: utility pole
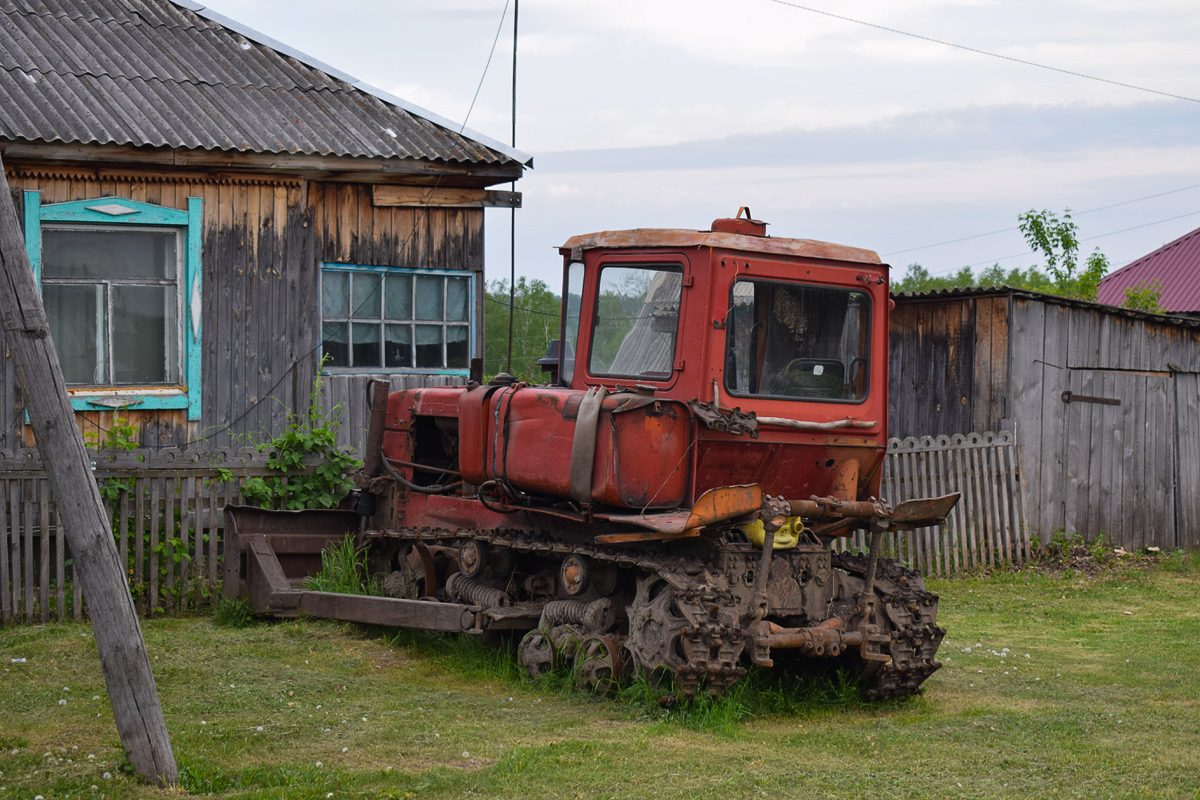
512 236
88 531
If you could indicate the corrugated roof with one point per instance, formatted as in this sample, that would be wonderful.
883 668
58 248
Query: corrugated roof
1175 265
997 291
170 73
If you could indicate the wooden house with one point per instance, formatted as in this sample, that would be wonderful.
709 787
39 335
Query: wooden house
211 213
1104 402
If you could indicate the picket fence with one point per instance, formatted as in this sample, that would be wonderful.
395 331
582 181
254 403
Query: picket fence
987 528
167 511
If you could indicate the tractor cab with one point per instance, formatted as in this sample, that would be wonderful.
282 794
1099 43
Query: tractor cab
732 321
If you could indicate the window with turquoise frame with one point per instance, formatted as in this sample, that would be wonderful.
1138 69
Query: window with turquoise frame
120 281
390 319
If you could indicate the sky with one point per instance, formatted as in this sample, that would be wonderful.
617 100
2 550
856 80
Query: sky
671 113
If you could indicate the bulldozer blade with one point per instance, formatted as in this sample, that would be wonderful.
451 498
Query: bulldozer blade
924 513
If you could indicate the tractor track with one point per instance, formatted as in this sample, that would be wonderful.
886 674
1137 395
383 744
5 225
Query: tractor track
694 616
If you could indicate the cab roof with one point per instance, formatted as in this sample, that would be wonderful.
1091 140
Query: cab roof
719 240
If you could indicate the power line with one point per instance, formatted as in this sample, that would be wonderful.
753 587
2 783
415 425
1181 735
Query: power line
424 210
521 308
984 52
1016 228
1088 238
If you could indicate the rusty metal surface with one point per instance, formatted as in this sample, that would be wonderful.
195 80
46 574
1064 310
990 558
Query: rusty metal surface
295 539
829 639
925 512
391 611
715 505
679 238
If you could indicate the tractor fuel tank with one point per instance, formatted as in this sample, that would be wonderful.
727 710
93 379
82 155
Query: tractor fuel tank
625 450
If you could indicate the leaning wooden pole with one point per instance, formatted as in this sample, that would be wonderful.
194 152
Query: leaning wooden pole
98 568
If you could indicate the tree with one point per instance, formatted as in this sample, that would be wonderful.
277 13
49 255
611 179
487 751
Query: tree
536 322
1056 240
1144 297
918 279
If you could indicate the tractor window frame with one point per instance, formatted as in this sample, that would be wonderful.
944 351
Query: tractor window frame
663 268
821 366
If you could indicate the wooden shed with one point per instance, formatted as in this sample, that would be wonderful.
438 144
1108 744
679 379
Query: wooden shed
1104 402
210 213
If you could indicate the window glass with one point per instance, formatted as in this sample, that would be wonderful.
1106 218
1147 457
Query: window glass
398 292
75 316
113 303
392 319
458 350
143 333
637 318
365 347
572 303
98 253
397 346
457 295
336 342
335 294
429 297
367 295
429 346
797 341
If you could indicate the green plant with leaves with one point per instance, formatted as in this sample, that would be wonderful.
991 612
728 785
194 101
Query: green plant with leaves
1056 240
231 613
311 436
1144 297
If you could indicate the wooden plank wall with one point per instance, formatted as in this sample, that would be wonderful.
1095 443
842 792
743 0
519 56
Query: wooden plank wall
949 366
348 228
1124 472
263 241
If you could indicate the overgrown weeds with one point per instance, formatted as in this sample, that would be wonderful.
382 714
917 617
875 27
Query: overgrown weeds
344 570
313 471
230 613
1073 554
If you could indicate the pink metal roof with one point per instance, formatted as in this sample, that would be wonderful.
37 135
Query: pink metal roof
1175 265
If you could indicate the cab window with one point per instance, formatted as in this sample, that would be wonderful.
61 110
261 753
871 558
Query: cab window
636 321
797 342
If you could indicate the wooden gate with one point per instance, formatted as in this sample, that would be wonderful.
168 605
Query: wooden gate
1119 464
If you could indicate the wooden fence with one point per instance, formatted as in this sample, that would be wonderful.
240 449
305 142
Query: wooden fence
166 506
987 528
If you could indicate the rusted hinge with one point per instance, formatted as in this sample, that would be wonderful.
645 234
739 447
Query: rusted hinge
688 280
1071 397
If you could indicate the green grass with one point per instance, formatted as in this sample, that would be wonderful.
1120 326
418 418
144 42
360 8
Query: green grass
1053 686
344 570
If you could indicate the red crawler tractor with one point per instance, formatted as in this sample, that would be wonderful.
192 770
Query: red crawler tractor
715 419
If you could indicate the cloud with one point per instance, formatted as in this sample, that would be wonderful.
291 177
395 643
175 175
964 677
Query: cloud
949 136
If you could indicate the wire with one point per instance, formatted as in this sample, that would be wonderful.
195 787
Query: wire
491 52
1078 214
1087 239
521 308
984 52
1016 228
416 224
